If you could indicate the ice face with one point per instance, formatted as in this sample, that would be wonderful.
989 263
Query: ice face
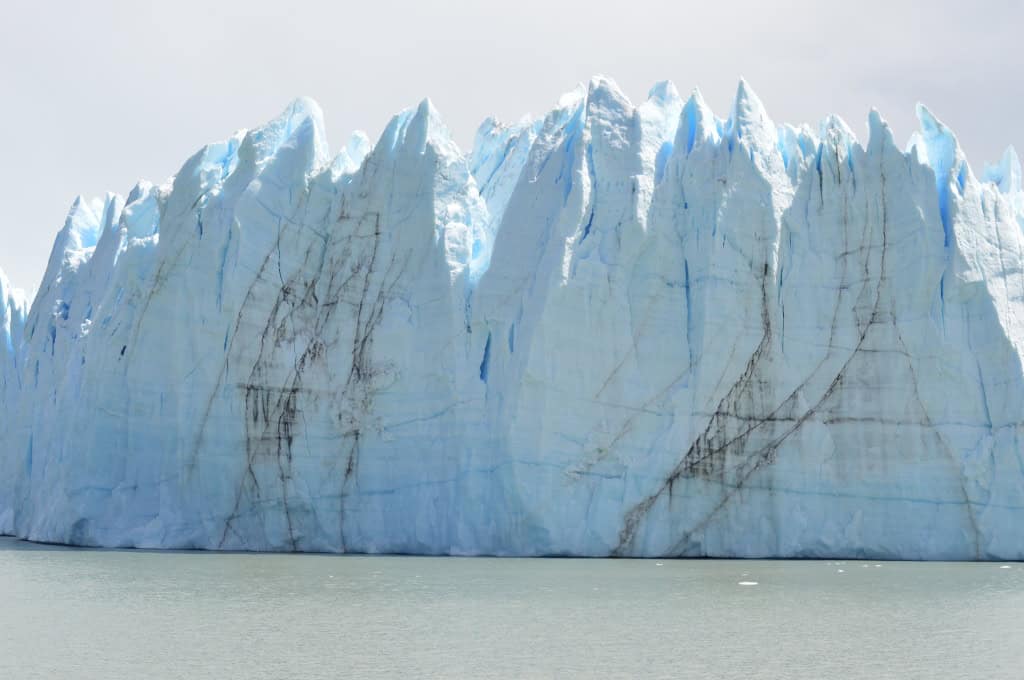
13 308
611 330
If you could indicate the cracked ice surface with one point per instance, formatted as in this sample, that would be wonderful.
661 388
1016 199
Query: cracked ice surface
612 330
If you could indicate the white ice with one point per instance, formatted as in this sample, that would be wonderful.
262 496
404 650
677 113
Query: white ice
610 330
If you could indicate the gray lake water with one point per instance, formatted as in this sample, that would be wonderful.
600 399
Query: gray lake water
67 613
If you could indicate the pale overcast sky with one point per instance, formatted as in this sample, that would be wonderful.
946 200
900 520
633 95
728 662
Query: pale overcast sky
100 94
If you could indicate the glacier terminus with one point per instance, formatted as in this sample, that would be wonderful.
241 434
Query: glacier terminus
614 330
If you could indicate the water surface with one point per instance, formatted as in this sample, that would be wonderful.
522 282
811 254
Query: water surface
67 613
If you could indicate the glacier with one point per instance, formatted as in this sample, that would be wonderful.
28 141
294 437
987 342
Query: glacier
614 330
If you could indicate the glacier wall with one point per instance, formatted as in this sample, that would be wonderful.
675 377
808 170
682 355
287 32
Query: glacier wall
13 309
614 330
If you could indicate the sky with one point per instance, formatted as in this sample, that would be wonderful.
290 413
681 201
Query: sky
98 95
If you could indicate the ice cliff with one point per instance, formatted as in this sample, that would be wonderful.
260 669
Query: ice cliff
12 324
613 330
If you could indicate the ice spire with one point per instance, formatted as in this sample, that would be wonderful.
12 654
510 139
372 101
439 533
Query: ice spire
937 147
1007 173
749 120
696 123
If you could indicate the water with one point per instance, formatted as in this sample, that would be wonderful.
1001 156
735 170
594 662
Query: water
133 614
